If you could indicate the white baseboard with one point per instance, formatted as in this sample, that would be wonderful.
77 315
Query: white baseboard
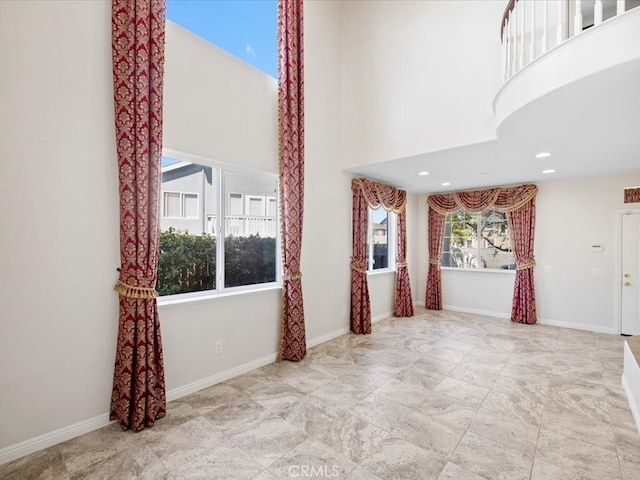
382 316
47 440
50 439
198 385
577 326
327 337
477 311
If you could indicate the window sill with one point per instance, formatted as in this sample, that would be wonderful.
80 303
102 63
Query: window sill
191 298
499 271
380 271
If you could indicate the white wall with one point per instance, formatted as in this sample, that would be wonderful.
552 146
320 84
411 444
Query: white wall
571 215
59 205
420 76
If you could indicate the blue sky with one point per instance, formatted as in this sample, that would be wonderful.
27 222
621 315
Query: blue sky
245 28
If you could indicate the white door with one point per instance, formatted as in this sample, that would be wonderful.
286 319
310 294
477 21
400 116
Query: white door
630 298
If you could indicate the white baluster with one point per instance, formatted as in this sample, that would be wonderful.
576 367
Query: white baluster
504 53
532 51
597 13
620 7
523 7
512 43
514 22
577 18
545 26
562 26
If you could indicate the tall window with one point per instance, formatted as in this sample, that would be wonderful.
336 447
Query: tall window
224 236
382 239
477 241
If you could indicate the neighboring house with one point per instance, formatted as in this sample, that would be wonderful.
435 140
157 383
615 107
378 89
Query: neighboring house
190 198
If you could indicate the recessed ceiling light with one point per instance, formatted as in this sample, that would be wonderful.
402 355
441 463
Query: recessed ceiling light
423 173
445 184
549 170
543 155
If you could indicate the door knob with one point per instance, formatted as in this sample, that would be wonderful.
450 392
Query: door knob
627 284
626 275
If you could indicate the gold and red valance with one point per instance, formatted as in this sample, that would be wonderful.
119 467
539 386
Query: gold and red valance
376 194
632 195
506 199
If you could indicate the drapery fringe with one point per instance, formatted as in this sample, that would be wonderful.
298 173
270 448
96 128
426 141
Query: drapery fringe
496 200
524 266
291 276
398 201
358 269
126 290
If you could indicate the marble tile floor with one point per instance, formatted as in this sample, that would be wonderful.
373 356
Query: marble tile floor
442 395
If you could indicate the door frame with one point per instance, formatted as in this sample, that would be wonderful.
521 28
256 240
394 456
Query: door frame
617 271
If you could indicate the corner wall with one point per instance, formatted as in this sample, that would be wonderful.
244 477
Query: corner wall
571 215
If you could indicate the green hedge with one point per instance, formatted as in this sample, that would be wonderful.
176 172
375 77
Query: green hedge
187 262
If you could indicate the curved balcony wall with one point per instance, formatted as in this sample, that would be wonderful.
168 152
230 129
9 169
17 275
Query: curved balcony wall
532 70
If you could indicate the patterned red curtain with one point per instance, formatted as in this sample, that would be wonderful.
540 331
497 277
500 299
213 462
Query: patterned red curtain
632 195
367 193
138 397
522 224
404 301
433 299
360 304
293 344
519 203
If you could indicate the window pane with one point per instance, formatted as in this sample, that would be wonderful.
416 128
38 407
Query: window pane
379 239
235 204
187 261
250 240
190 205
477 241
171 204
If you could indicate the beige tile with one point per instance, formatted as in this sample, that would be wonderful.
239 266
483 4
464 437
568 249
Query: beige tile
578 426
576 456
137 463
312 459
396 459
227 461
463 391
491 459
352 437
408 389
270 440
380 412
313 416
447 409
185 442
44 465
84 451
430 433
340 394
454 472
361 474
505 429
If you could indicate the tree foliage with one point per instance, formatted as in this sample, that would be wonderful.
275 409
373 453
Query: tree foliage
187 262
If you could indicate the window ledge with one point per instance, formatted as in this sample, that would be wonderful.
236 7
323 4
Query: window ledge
499 271
380 271
183 299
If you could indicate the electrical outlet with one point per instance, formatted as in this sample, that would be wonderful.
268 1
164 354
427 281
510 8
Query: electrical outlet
218 347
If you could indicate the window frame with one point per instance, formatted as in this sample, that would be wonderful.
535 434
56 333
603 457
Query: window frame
478 248
392 244
221 196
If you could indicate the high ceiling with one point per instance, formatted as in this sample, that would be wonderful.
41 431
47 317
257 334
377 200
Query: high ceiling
591 127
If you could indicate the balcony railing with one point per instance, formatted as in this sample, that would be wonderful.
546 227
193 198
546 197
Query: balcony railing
244 225
530 28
